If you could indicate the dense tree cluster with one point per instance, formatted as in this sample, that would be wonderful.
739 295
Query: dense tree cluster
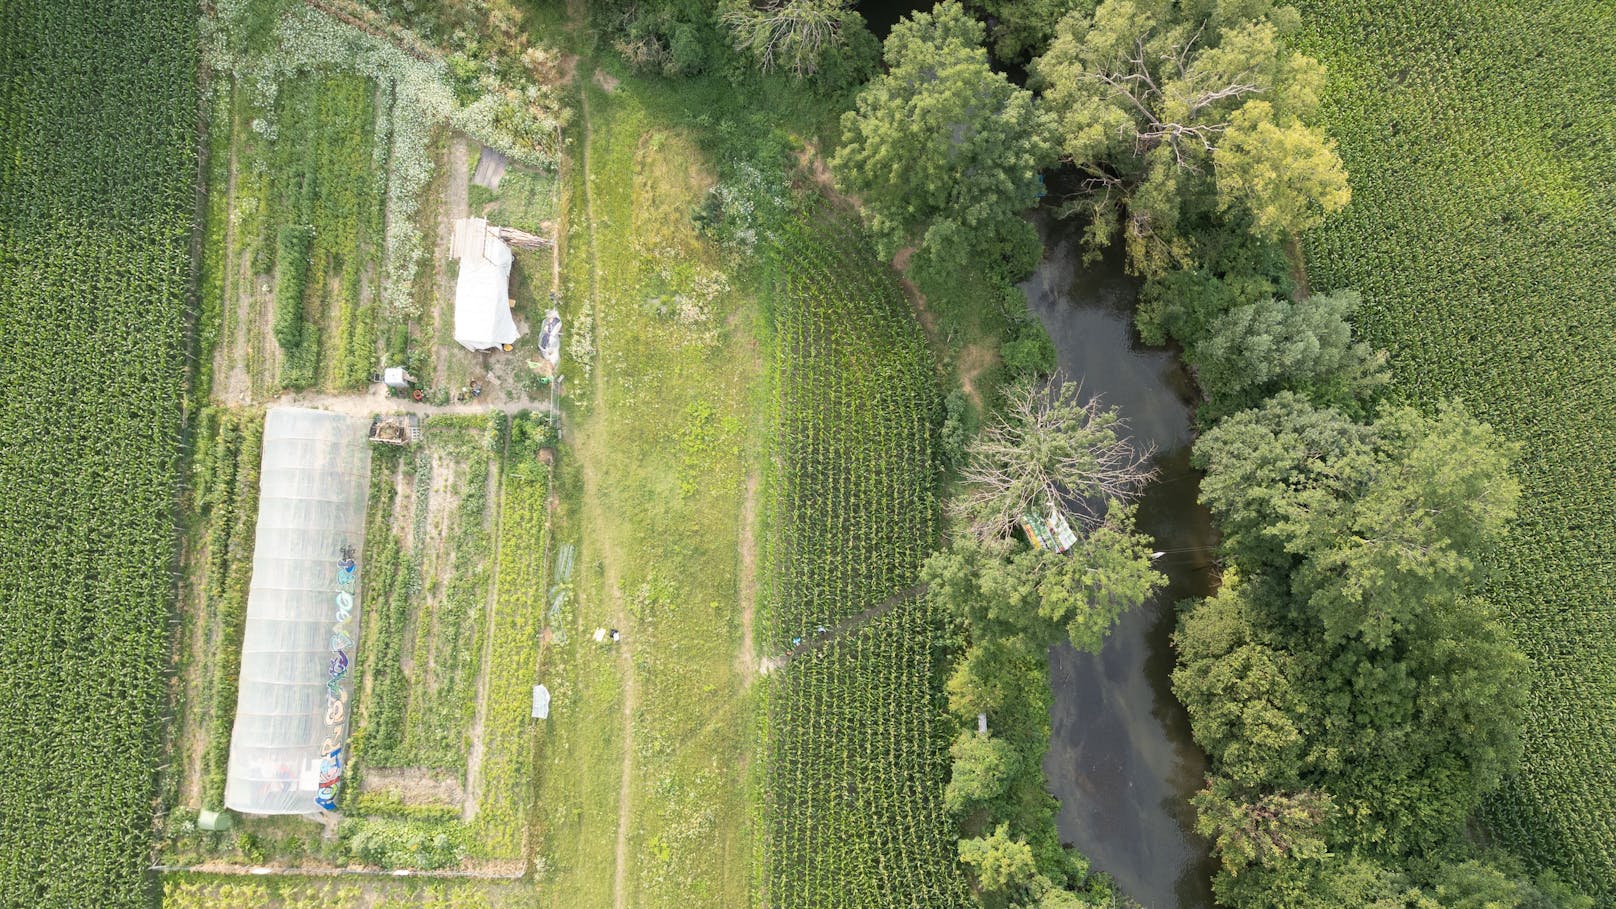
1174 109
1355 695
943 150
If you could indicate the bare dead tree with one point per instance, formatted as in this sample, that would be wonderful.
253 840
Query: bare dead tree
1190 92
1049 445
796 32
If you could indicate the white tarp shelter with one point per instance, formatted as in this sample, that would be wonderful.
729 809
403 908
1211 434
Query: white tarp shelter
286 752
482 292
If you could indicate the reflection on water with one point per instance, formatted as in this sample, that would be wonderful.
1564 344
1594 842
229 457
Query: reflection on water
1121 760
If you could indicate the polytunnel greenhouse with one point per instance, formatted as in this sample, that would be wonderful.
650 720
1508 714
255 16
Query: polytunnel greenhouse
286 753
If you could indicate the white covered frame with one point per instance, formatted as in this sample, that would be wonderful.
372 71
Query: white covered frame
286 751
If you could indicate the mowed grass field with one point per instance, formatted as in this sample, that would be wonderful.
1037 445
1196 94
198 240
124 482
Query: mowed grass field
1481 140
644 769
98 152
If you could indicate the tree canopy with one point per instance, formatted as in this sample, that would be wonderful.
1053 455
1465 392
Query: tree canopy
1305 345
1347 652
1170 107
941 149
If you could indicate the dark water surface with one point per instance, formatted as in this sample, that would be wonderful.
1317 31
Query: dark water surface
1121 760
881 15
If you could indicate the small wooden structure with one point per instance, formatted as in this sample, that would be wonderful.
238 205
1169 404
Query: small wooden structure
396 429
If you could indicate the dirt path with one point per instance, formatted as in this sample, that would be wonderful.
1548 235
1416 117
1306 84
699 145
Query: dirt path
973 359
840 630
377 401
474 757
747 583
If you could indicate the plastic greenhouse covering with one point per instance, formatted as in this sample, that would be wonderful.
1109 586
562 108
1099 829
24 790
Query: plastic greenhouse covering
286 753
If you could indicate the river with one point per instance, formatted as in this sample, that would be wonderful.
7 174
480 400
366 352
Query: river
1121 760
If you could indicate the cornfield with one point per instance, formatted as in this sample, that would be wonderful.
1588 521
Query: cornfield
98 163
856 754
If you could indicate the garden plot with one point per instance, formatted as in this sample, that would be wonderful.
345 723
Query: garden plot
433 512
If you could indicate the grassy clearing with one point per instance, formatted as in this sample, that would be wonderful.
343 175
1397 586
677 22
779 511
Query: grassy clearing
652 490
1480 235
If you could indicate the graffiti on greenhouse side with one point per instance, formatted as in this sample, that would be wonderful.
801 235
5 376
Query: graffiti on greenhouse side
336 703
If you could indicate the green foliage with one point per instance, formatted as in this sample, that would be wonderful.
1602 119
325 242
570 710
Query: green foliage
1273 829
800 37
1345 655
1482 250
672 37
1000 863
941 149
1286 174
98 166
1245 709
394 843
1023 28
982 770
955 430
856 760
1150 95
1306 345
1035 598
291 283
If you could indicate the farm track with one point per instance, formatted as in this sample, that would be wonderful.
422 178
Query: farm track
840 630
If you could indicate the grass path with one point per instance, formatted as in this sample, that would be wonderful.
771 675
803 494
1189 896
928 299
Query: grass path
625 653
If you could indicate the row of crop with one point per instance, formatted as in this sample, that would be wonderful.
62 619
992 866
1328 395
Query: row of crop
98 160
392 579
200 891
505 788
856 772
855 759
429 598
323 205
857 403
225 501
1481 238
